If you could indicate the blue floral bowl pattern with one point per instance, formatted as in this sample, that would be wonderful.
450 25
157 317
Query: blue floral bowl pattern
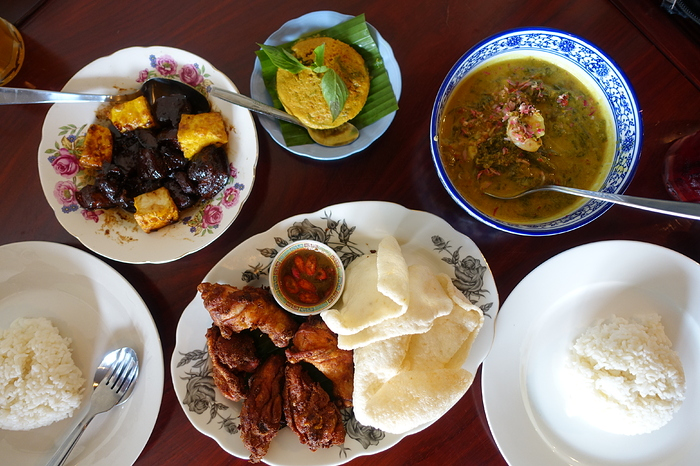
586 60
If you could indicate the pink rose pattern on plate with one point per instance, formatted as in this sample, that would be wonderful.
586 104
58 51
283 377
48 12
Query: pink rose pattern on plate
64 156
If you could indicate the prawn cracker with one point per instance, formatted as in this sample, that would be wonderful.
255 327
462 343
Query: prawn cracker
428 300
376 289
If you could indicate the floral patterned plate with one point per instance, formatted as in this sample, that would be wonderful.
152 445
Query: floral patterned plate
114 233
352 229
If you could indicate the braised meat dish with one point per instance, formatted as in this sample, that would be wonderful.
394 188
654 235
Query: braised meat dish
234 310
316 344
133 158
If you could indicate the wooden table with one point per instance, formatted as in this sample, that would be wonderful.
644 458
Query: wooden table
659 53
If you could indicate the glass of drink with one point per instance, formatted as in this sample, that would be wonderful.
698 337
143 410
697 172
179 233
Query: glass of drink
682 169
11 51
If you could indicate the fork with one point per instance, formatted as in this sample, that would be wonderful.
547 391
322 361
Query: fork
113 384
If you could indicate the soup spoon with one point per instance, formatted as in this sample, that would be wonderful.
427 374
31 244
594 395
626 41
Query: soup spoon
156 87
676 208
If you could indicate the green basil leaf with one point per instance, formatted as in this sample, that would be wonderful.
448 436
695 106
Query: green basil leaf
320 69
318 54
281 58
334 91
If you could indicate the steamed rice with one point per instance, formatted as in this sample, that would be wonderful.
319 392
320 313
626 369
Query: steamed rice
625 378
40 383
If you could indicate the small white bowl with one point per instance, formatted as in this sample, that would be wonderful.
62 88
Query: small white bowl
295 287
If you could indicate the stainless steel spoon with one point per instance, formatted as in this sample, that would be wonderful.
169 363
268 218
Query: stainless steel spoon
17 95
676 208
113 384
155 87
340 136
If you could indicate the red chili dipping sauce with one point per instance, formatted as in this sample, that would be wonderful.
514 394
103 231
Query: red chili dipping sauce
307 277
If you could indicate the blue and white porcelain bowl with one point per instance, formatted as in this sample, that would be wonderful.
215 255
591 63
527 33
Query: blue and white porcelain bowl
591 66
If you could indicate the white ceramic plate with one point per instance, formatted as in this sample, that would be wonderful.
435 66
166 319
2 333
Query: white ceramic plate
292 30
117 236
353 229
522 392
99 311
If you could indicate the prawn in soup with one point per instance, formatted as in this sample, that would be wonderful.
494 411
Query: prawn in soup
522 123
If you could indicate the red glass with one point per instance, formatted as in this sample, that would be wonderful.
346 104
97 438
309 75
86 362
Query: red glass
682 169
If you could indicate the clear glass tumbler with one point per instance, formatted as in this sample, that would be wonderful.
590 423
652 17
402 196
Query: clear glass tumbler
11 51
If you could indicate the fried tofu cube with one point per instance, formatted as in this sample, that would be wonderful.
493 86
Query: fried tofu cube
196 132
128 116
97 149
155 210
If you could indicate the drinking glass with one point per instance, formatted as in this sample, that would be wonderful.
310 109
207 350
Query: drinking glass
11 51
682 168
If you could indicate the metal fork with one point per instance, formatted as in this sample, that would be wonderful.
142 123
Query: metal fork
113 384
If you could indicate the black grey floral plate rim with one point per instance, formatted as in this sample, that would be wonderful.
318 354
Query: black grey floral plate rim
352 229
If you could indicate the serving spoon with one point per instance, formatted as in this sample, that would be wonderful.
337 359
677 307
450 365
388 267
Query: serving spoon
676 208
156 87
339 136
114 381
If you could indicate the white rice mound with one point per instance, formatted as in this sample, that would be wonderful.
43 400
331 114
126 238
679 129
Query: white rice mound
40 383
625 378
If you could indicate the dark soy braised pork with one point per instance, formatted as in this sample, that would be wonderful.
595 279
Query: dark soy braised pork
144 160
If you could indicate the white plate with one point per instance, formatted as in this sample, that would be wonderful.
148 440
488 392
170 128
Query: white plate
541 318
109 234
292 30
353 229
99 311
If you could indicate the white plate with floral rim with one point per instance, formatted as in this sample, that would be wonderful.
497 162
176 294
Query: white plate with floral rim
292 30
524 393
352 229
113 233
93 305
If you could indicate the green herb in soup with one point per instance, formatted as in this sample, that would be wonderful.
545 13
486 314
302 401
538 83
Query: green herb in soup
523 123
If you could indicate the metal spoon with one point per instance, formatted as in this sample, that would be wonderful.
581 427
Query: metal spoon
340 136
676 208
156 87
151 89
113 384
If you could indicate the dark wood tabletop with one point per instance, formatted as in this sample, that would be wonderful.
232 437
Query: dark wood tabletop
659 53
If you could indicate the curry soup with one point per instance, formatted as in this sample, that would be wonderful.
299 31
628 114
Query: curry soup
522 123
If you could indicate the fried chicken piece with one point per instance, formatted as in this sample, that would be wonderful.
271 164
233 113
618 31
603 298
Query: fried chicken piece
234 310
232 359
261 414
316 344
309 411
